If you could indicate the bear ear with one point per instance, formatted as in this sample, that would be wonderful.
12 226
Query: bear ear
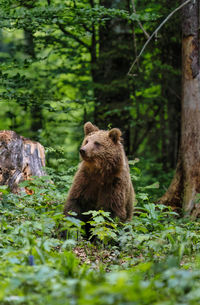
115 134
89 127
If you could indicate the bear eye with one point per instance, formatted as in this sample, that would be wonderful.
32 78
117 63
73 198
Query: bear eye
97 143
86 141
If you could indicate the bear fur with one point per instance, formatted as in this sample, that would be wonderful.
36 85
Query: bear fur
103 179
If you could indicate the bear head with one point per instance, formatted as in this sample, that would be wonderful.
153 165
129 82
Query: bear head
102 148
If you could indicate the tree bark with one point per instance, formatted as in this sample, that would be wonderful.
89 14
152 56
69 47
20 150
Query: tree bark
186 182
20 158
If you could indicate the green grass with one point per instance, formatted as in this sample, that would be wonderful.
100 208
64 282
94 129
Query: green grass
154 259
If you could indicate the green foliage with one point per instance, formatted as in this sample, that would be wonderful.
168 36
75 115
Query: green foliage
53 76
53 68
103 226
154 259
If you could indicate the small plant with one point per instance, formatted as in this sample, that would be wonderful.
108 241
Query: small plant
102 226
72 226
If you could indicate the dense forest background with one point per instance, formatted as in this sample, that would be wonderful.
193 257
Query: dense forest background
63 63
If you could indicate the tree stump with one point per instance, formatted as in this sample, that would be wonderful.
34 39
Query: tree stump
20 158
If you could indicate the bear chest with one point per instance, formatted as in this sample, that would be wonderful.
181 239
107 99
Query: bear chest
97 195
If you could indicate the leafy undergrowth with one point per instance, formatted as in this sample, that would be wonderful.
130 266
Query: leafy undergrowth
152 260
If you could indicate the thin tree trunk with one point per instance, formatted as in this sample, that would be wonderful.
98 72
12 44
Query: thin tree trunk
20 158
186 182
112 90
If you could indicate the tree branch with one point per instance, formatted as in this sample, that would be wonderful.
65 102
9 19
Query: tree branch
155 32
77 39
138 21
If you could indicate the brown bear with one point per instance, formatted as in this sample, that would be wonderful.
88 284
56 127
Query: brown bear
103 179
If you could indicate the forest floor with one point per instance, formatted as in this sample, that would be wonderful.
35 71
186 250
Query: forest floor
154 259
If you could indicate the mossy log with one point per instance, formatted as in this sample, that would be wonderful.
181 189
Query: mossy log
20 158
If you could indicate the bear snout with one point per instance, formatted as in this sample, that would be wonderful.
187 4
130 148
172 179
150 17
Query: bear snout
82 152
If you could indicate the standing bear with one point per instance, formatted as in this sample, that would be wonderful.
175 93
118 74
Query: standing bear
103 179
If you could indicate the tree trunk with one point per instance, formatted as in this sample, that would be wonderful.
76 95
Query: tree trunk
20 158
186 182
112 90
